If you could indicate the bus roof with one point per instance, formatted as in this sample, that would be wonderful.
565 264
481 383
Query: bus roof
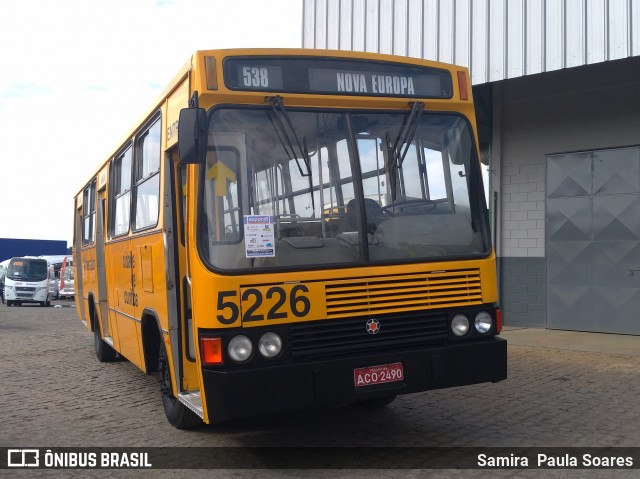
187 67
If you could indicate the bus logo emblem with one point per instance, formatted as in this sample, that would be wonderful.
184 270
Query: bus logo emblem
373 326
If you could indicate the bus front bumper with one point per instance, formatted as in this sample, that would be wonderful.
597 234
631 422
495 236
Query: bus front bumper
26 295
315 384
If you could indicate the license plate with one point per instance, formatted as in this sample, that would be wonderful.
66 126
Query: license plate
385 373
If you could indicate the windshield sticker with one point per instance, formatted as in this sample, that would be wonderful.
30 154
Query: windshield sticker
259 236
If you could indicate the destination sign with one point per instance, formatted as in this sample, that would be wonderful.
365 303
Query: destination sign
259 76
374 83
336 76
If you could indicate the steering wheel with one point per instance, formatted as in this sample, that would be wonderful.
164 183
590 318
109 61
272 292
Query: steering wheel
401 205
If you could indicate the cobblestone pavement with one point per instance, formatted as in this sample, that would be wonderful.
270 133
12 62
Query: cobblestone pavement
55 393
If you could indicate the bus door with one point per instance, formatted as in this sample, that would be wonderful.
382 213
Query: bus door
180 321
121 260
225 156
78 260
102 303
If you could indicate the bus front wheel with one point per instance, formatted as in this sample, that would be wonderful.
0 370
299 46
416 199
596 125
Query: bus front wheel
104 352
178 415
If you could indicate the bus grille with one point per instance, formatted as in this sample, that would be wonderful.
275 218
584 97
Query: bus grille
338 338
399 293
25 291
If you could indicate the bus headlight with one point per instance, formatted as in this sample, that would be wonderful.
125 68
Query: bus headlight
460 325
483 322
270 345
240 348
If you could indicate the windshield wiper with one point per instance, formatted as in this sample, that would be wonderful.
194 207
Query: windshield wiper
399 150
277 105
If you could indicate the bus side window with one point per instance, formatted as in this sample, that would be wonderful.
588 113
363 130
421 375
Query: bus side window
89 213
423 173
147 194
434 162
121 193
270 189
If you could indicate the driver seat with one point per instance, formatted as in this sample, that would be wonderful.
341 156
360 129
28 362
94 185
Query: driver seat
373 212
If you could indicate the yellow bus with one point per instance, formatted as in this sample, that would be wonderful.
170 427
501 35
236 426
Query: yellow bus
289 229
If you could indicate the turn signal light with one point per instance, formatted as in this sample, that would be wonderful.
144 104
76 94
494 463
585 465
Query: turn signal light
462 85
211 350
210 68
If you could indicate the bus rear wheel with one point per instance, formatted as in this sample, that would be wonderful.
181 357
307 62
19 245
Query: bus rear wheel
178 415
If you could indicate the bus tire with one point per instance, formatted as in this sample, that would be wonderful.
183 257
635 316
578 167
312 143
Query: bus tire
9 303
104 352
178 415
377 402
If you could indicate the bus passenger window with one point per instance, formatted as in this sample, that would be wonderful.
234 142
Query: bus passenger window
269 188
88 214
435 174
122 193
148 178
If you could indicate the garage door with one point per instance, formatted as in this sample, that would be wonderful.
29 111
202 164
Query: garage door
593 241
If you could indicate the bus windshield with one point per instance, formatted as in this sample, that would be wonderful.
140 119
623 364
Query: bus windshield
304 189
27 269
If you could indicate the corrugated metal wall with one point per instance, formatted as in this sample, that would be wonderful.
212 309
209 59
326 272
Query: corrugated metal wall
496 39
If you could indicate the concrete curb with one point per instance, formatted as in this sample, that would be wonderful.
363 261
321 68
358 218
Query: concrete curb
573 340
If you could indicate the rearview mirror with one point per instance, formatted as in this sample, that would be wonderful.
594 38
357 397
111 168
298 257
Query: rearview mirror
192 135
459 147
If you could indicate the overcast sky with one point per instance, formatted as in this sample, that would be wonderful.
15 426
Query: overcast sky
75 75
